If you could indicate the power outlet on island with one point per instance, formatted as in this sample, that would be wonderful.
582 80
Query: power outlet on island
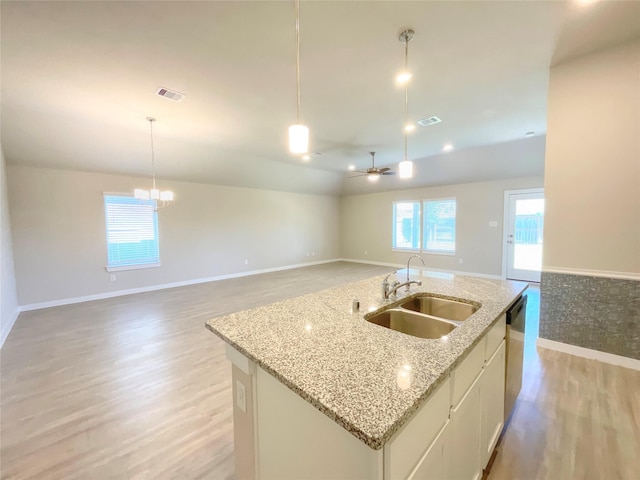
241 396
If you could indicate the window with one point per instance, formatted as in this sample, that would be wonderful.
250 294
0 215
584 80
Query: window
406 225
440 226
132 233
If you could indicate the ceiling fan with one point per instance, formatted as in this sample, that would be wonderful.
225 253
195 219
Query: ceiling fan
373 173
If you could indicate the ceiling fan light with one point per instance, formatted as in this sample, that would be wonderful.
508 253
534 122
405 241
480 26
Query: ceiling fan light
409 127
405 169
373 177
154 193
403 77
166 196
298 139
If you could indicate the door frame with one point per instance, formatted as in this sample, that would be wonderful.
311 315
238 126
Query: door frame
505 222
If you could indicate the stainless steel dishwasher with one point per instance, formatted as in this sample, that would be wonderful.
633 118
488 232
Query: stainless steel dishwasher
516 318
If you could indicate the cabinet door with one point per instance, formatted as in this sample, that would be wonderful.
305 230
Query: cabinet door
492 395
435 463
464 460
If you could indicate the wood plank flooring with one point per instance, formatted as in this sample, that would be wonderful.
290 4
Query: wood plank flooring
134 387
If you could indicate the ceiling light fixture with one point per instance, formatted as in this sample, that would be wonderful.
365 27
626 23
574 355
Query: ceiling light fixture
447 148
163 197
352 167
405 168
529 134
298 133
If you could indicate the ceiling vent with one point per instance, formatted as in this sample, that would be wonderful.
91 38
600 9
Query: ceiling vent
425 122
170 94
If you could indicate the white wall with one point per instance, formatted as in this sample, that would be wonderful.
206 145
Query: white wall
9 305
592 164
366 225
60 248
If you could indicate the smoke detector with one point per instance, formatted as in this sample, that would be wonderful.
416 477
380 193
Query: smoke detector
170 94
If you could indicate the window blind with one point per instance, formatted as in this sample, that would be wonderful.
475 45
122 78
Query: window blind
440 225
132 231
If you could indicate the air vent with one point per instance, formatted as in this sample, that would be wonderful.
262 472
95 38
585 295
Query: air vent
425 122
170 94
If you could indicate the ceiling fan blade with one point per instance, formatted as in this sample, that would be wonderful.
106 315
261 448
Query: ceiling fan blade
388 173
385 169
361 175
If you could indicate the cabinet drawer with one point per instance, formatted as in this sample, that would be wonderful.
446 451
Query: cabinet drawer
402 454
465 373
495 336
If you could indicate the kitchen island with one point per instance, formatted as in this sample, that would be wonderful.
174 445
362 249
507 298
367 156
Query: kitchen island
320 392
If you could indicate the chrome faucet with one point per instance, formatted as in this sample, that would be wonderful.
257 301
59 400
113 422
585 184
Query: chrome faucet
386 285
408 262
395 286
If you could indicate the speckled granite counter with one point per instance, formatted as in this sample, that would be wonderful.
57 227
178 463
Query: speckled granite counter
367 378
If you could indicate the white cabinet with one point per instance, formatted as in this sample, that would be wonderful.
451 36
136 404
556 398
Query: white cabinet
407 447
464 438
434 465
492 396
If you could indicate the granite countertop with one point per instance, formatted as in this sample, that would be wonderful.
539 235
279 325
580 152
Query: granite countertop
367 378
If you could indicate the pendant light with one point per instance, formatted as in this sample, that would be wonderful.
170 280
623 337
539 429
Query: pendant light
162 198
405 167
298 133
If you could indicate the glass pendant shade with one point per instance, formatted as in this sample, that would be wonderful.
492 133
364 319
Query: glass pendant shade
405 169
141 194
298 139
166 196
373 177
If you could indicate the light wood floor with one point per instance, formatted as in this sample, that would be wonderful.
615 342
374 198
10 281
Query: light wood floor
135 387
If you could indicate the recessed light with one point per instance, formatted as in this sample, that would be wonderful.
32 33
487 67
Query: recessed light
529 134
352 167
306 157
409 127
425 122
447 148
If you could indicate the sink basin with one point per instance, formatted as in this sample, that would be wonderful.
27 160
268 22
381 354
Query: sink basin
411 323
441 307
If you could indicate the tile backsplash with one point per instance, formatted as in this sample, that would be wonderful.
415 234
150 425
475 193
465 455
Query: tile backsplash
591 312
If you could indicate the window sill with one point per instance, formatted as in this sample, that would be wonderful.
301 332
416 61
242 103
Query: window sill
396 249
132 267
432 252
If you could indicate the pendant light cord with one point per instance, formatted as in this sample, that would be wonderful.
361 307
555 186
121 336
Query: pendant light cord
153 162
406 96
297 5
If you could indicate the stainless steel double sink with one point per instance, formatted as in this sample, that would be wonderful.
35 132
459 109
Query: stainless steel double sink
424 316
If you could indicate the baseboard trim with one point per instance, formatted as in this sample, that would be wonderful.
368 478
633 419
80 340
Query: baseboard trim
604 357
132 291
7 330
427 269
592 273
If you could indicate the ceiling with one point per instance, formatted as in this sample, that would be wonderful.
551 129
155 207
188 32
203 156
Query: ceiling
79 79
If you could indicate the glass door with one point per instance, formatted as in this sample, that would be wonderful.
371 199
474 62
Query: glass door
524 235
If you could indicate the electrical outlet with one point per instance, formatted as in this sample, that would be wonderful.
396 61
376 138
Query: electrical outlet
493 223
246 261
460 260
365 252
313 254
112 278
307 254
241 396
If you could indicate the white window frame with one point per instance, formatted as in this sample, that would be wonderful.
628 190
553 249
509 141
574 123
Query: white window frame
421 229
393 226
133 266
423 246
